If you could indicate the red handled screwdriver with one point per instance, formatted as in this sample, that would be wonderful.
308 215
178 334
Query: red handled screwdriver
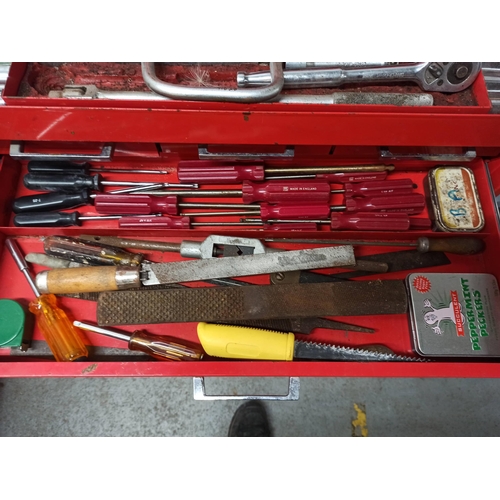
289 191
226 172
377 188
371 221
185 223
56 219
410 204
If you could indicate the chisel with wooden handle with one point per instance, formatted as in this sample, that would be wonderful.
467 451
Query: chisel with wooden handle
110 278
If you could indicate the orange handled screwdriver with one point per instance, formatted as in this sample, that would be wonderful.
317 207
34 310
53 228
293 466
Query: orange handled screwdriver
157 346
61 336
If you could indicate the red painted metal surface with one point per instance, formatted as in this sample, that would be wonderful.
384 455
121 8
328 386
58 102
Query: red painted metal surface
218 127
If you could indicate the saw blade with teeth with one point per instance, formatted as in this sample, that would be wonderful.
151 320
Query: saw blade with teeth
314 350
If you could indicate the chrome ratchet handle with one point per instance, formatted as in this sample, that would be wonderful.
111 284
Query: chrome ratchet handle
430 76
267 90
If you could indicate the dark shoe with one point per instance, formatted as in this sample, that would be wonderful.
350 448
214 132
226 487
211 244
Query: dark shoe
250 420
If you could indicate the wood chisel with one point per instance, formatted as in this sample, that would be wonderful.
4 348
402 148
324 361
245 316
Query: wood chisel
239 342
108 278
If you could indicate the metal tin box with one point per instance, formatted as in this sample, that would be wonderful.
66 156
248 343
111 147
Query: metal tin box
454 200
455 314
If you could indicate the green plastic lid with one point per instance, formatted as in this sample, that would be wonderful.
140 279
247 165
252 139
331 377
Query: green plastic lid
12 318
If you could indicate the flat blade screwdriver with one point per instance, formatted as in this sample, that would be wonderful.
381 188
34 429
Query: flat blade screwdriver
71 183
67 167
225 172
63 339
371 221
57 219
157 346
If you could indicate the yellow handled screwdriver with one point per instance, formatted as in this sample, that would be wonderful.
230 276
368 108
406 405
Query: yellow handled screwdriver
157 346
63 339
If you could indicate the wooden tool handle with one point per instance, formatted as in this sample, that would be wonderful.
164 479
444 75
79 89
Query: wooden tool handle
88 279
461 245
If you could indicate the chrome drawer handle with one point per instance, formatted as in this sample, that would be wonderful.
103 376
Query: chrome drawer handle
17 152
204 154
468 155
261 94
199 392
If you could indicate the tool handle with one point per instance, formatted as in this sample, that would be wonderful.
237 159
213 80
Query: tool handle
380 188
213 172
283 211
164 347
48 219
155 222
64 339
291 191
88 279
239 342
86 252
461 245
343 177
50 201
135 204
410 204
371 221
58 167
68 183
420 223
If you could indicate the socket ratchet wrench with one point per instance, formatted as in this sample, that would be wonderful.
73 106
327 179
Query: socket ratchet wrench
430 76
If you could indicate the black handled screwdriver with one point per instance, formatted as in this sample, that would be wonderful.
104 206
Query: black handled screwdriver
68 167
46 202
56 219
72 183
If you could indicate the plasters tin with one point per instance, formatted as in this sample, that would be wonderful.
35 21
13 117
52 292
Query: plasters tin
454 200
456 315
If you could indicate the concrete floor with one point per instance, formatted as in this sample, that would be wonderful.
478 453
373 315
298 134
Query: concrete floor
327 407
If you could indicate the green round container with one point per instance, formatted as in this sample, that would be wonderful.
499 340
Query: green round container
12 319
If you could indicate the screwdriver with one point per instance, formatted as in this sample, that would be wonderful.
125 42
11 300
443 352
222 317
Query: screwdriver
150 222
136 204
56 219
71 183
221 172
67 167
270 191
61 336
61 200
371 221
157 346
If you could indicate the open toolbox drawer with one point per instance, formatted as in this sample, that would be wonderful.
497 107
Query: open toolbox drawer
392 331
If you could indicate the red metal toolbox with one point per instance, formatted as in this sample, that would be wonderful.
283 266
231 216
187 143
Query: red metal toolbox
159 135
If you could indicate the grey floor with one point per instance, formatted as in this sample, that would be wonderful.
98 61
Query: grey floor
326 407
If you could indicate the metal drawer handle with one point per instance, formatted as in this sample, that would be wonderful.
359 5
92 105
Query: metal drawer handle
468 155
200 394
261 94
204 154
17 152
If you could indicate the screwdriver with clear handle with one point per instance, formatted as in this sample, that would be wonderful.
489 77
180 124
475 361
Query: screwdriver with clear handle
63 339
157 346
